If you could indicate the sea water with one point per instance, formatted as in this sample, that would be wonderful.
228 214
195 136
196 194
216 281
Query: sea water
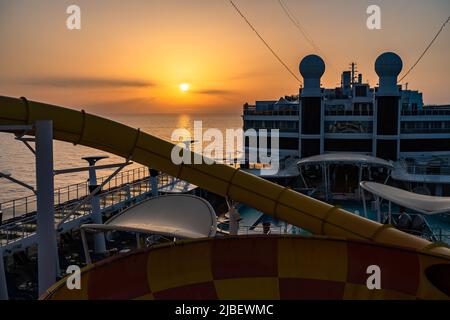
15 158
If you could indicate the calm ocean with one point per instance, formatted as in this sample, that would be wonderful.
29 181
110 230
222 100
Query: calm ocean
16 159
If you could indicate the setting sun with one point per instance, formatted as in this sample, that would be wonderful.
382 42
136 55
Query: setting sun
184 87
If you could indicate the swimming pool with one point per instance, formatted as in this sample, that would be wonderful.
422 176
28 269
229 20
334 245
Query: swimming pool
253 220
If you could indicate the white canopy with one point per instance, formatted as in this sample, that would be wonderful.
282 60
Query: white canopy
418 202
345 158
181 216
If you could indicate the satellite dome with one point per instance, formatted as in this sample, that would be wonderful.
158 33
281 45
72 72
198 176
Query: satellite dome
388 64
312 66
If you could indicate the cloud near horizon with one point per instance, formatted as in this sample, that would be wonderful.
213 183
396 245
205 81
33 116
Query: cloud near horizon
213 92
85 82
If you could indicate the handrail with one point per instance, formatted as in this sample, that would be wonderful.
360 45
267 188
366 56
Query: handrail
116 195
365 113
425 112
92 194
249 112
425 170
68 193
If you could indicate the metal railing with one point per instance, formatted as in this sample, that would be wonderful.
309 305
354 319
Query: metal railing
406 130
349 112
108 200
22 206
113 199
272 230
280 129
17 230
437 235
441 236
250 112
434 112
428 170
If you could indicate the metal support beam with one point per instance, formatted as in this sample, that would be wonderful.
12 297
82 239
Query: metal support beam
234 217
99 238
90 196
106 166
23 184
87 255
29 147
12 128
46 234
154 182
138 240
3 286
360 174
364 203
324 181
300 169
26 142
390 212
378 204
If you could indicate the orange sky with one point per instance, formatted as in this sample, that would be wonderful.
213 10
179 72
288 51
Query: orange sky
130 57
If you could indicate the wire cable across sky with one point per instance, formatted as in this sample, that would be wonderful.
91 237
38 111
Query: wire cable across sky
265 42
305 35
296 23
426 49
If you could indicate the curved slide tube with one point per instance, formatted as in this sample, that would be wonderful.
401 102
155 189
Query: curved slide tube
261 267
283 203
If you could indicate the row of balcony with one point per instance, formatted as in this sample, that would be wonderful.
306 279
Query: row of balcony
253 112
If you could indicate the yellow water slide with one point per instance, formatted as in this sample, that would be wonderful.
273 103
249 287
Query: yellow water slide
280 202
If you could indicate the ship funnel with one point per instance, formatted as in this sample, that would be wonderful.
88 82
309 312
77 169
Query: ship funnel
388 66
312 69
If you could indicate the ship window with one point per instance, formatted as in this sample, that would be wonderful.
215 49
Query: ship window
348 145
387 115
311 115
425 127
361 91
289 143
310 147
387 149
424 145
348 127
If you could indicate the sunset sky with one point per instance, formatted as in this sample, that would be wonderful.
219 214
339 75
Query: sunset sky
132 56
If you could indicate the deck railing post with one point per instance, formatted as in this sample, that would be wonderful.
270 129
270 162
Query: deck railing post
46 234
99 238
154 182
128 192
3 284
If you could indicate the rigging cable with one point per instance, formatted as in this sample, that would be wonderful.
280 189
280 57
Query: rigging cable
426 49
265 42
296 23
308 38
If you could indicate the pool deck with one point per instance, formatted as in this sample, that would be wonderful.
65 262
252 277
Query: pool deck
249 216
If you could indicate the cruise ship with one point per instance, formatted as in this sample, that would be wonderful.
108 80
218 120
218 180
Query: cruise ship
387 122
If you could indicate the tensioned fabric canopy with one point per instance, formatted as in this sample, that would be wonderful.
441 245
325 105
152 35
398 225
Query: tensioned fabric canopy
345 158
418 202
182 216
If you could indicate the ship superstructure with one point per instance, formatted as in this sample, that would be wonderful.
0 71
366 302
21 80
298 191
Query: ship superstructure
388 121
